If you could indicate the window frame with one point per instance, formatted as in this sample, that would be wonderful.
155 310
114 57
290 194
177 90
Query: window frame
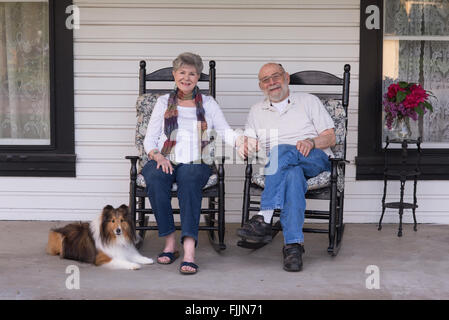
370 156
57 159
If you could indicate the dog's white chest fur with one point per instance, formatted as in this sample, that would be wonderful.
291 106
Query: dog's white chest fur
122 252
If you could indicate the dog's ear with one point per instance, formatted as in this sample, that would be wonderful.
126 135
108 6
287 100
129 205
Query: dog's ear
107 212
108 208
126 213
125 208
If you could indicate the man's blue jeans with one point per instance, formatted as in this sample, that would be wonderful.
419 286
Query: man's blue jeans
190 178
286 176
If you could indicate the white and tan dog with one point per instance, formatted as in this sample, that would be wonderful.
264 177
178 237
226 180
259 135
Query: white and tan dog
106 241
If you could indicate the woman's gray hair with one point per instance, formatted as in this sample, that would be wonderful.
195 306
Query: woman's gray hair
190 59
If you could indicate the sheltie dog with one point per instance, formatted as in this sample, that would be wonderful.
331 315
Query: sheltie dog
108 240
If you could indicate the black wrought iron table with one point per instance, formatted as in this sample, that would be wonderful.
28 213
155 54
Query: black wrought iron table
406 170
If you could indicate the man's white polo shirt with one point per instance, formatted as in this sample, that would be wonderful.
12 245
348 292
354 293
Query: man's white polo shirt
303 117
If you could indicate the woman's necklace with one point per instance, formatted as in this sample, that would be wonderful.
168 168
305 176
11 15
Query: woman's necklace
185 96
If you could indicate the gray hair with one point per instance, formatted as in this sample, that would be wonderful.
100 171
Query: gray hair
190 59
278 65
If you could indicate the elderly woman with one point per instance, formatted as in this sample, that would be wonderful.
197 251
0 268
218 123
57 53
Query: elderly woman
176 138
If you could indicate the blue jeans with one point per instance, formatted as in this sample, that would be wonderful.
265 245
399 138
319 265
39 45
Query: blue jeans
190 178
286 176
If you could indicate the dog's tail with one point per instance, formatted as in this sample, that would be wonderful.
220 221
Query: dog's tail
54 245
73 241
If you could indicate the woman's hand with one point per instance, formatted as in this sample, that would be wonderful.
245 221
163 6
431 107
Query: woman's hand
246 146
163 163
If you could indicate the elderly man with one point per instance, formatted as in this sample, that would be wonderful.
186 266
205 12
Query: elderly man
296 132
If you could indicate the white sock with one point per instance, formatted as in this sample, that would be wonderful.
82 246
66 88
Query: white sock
267 215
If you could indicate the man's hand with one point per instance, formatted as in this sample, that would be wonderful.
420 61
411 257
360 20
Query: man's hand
304 146
324 140
246 146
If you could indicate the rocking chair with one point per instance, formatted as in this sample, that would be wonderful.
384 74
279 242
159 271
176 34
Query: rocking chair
214 189
328 186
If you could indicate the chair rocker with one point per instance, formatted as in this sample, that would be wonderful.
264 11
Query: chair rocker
328 186
214 189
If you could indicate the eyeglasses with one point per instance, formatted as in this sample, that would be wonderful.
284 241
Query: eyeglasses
276 77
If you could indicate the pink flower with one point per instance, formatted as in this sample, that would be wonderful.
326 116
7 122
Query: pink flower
419 92
415 97
411 103
393 90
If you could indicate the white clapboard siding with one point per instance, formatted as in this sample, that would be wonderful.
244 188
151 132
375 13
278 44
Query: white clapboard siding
240 36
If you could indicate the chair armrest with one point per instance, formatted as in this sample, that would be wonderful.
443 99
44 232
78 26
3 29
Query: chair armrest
132 158
248 170
339 161
133 171
220 169
335 164
221 159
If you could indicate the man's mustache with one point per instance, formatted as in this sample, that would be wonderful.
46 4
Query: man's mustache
275 86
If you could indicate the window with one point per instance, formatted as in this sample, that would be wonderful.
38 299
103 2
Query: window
416 49
410 44
36 89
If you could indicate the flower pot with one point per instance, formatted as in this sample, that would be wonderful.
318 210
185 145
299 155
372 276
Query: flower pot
401 128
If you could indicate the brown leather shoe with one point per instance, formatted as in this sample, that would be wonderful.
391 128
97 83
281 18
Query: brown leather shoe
293 257
256 229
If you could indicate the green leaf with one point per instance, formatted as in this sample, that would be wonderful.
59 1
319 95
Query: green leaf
400 96
403 84
428 106
419 111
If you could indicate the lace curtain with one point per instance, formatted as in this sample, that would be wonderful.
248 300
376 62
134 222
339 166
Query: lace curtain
420 30
24 73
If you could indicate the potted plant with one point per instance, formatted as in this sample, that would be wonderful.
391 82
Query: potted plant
403 101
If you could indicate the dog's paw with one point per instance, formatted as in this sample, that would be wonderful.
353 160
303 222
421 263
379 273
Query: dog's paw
134 266
145 260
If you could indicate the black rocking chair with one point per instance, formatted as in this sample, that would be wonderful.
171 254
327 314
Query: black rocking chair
327 186
214 190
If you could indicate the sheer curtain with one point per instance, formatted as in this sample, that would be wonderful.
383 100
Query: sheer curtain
24 74
416 42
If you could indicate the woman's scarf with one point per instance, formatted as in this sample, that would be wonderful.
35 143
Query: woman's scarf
171 119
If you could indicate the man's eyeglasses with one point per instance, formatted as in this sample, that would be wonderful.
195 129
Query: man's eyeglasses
276 77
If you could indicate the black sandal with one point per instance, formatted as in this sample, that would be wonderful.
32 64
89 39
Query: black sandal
170 255
188 264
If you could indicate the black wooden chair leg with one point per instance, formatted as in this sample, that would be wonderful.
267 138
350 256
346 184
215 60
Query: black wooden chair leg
333 211
221 206
142 218
340 224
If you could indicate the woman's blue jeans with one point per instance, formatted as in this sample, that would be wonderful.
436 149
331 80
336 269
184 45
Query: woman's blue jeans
190 178
286 176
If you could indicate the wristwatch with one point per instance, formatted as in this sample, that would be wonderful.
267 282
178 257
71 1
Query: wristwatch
313 142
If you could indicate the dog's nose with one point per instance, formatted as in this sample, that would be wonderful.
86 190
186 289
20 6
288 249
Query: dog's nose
118 231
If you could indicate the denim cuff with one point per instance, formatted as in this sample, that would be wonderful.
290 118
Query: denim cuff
294 241
164 234
183 235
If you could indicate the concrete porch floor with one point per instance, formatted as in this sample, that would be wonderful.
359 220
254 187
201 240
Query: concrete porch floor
415 266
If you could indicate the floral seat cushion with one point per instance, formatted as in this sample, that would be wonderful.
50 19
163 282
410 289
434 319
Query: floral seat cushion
338 115
323 180
144 106
320 181
213 180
